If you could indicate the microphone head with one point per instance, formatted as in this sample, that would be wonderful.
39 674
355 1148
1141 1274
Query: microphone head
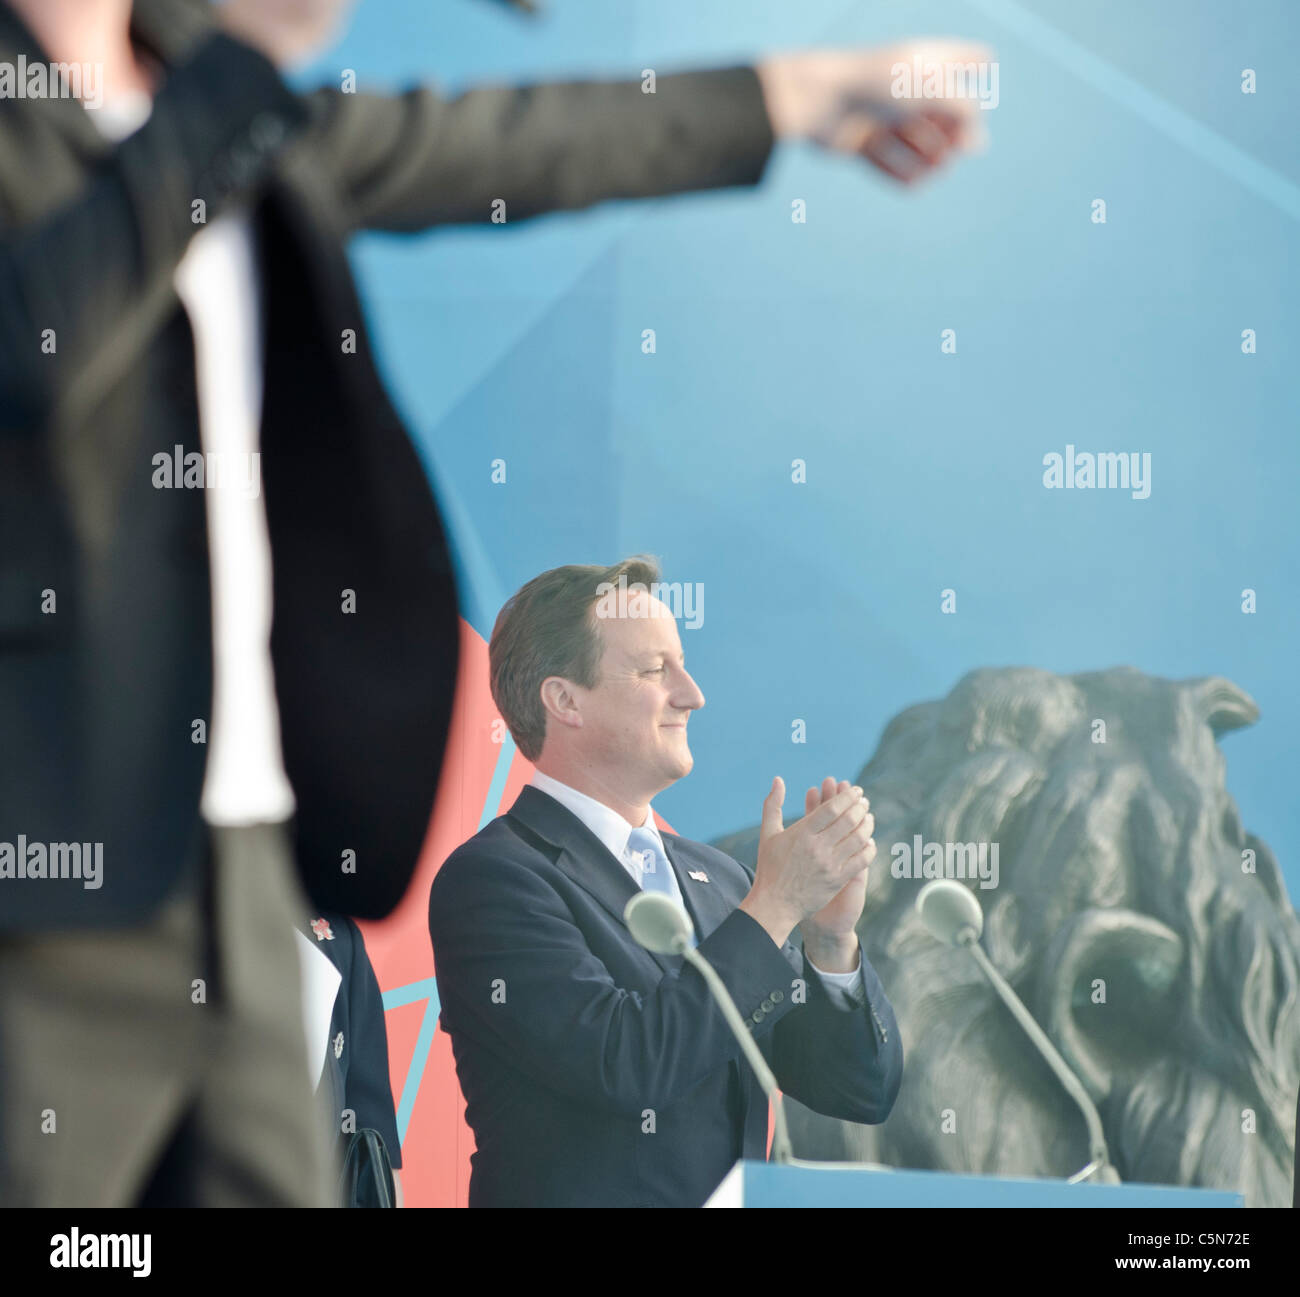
949 911
658 923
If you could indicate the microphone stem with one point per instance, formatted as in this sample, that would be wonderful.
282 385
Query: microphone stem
781 1151
1096 1134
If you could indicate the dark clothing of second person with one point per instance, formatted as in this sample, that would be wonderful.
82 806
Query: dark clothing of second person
356 1075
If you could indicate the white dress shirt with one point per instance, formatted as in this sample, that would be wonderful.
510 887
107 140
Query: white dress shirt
848 989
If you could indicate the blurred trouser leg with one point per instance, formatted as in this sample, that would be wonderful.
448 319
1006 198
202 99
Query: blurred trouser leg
101 1051
110 1071
260 1129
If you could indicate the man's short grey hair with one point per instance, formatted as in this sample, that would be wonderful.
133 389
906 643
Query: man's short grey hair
548 628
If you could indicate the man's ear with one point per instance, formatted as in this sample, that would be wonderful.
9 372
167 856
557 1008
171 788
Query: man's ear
560 699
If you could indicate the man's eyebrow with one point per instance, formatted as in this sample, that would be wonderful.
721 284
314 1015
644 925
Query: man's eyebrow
653 655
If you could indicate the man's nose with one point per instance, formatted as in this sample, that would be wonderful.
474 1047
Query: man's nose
687 695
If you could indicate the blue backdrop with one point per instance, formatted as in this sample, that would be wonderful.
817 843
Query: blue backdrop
821 342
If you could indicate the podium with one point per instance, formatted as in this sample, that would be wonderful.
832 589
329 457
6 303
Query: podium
851 1184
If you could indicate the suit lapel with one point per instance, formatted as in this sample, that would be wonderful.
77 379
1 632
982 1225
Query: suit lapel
581 855
586 860
707 898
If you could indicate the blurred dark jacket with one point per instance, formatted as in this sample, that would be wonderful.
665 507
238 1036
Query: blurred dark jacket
98 698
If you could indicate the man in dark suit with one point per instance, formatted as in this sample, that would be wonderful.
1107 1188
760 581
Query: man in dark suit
175 298
596 1073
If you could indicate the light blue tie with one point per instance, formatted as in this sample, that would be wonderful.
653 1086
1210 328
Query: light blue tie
657 874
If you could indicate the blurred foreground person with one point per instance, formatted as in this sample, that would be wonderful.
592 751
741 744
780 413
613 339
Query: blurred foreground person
228 626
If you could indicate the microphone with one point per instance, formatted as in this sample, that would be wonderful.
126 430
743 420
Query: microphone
952 914
659 924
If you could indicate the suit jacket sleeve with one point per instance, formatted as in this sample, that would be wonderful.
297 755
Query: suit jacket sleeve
839 1061
97 271
409 161
517 976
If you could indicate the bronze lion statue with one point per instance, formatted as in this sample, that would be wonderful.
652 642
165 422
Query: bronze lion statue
1148 932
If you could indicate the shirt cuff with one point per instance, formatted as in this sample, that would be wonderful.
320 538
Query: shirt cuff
848 990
